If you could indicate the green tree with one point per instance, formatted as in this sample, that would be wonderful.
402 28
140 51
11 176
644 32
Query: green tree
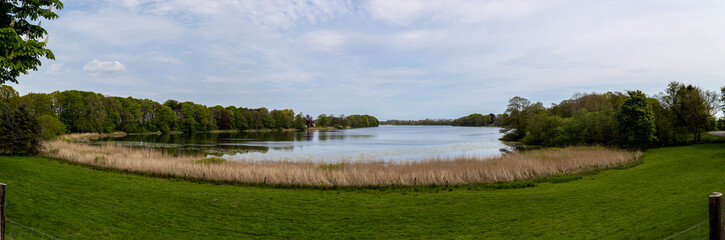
37 103
722 99
299 122
517 113
23 53
7 95
187 122
166 119
694 110
202 117
21 132
322 121
50 127
635 120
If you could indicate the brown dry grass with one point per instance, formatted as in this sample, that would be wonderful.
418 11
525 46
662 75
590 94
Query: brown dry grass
515 166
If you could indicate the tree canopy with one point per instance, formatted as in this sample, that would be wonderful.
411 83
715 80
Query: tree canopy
635 120
677 116
20 34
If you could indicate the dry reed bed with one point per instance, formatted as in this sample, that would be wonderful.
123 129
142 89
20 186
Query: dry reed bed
515 166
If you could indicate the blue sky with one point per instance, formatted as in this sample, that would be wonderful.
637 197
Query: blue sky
390 59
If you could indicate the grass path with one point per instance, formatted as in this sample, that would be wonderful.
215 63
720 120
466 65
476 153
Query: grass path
662 196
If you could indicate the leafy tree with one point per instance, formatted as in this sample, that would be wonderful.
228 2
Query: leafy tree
20 54
309 122
202 116
544 130
187 122
473 120
7 94
241 122
635 120
322 121
130 114
166 119
517 114
693 110
92 115
21 132
722 99
112 108
69 105
50 127
299 122
224 120
361 121
37 103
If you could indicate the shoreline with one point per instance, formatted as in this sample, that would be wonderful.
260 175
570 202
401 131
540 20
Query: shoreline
92 135
516 166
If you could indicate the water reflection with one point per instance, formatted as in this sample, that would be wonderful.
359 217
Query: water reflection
387 143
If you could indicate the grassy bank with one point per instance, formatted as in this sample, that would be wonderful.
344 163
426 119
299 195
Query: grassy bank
665 194
515 166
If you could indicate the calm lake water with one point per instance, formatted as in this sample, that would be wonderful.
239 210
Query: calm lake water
384 143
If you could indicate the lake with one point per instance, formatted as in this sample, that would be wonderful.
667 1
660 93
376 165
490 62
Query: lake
384 143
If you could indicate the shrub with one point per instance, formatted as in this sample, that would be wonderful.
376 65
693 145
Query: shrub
50 127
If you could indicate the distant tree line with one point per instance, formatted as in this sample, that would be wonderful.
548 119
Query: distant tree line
430 122
676 116
353 121
80 111
473 120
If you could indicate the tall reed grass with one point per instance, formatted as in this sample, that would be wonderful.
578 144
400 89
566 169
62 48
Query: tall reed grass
514 166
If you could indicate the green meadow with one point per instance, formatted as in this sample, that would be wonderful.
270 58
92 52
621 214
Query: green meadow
663 195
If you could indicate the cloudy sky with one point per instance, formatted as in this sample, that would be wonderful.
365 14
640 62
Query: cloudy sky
390 59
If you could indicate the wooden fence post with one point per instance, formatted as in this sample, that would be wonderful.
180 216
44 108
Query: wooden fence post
716 217
3 187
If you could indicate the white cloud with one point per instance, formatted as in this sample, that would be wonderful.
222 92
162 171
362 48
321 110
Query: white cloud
119 28
54 68
342 57
281 14
96 66
409 12
400 72
168 60
326 41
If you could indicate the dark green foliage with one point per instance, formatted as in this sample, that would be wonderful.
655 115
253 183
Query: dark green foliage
588 119
517 115
635 121
322 121
473 120
722 99
19 131
686 109
300 123
19 33
50 127
82 111
353 121
221 118
545 130
282 119
361 121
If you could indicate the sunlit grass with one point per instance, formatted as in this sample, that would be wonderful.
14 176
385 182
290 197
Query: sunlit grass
440 170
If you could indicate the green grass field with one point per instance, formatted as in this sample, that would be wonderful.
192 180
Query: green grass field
667 193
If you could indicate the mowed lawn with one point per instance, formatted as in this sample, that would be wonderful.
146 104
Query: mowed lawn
667 193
